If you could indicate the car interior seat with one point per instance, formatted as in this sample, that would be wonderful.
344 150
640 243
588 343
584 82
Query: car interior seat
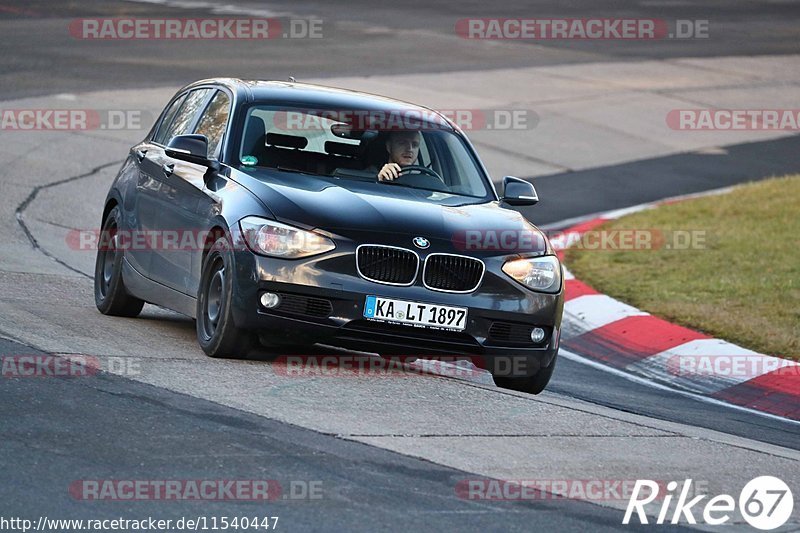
255 136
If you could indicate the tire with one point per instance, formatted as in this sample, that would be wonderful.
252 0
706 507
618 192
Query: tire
216 331
531 384
110 295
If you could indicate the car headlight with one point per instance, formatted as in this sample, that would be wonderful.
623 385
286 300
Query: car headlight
267 237
537 273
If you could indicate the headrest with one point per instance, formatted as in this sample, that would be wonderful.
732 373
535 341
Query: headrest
376 153
286 141
254 136
337 148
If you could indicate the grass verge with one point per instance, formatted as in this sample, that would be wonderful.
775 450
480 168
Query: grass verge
726 265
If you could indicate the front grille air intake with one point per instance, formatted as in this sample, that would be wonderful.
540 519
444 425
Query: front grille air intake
452 273
304 305
510 332
387 264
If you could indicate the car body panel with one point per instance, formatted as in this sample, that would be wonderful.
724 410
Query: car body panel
311 202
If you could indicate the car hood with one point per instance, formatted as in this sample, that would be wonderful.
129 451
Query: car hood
374 212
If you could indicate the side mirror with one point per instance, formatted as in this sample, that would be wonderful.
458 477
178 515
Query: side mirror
190 148
518 192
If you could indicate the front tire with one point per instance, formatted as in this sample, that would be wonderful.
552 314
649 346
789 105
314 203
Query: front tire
531 384
216 331
110 295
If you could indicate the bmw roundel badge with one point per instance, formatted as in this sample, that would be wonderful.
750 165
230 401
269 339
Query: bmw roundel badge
421 242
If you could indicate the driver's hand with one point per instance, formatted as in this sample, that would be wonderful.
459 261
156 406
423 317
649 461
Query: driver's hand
389 172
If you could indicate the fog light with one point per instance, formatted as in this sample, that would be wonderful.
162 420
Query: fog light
270 299
537 334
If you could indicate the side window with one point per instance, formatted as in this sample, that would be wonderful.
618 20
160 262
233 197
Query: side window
214 121
168 116
184 118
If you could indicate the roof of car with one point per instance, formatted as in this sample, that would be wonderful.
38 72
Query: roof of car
310 95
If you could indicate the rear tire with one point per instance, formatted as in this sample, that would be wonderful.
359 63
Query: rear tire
110 295
531 384
216 331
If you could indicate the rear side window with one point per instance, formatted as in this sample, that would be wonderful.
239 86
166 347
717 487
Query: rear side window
214 121
184 118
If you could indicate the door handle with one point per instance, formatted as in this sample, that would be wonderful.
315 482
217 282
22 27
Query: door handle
168 168
140 155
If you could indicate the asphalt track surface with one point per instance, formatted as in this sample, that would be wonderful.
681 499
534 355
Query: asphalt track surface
170 436
57 431
363 37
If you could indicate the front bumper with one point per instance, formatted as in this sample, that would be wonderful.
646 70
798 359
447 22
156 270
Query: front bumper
325 304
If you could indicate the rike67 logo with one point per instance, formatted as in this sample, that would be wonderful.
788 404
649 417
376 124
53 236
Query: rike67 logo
765 503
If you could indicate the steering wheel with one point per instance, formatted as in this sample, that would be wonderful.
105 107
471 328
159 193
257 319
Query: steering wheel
424 170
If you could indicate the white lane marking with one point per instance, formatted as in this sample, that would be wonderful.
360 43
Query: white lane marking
707 366
618 213
596 310
647 382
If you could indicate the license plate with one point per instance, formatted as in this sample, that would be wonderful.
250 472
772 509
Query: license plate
415 313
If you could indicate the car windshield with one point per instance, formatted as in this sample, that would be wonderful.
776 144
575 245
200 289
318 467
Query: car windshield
356 145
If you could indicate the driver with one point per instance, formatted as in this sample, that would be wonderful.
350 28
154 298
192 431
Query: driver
403 148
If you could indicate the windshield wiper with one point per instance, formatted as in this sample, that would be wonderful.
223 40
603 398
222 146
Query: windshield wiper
294 171
394 182
397 184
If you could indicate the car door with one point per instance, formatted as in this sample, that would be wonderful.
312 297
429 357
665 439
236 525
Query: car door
159 171
143 208
191 204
